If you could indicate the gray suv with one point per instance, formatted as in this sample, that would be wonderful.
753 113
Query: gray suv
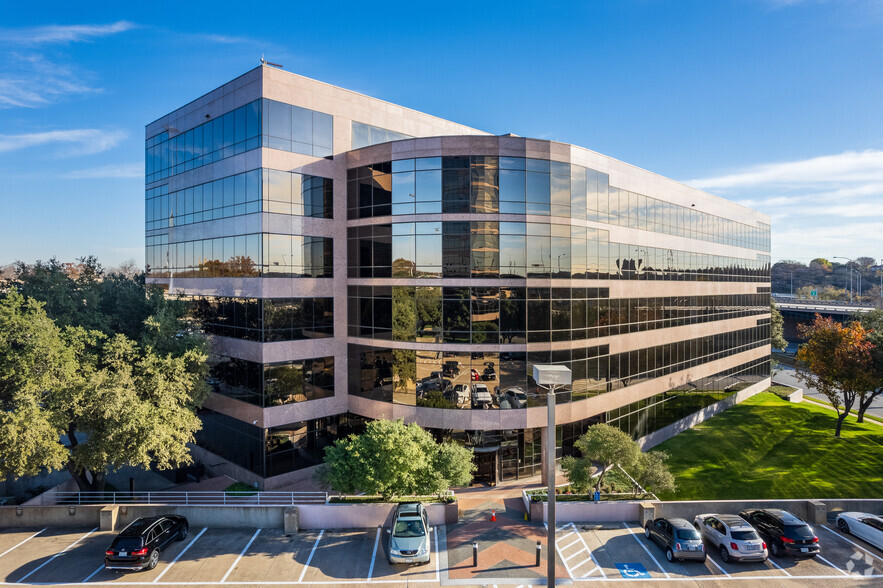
677 537
409 535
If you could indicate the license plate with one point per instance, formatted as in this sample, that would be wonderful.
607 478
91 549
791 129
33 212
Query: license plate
804 549
751 547
122 554
409 560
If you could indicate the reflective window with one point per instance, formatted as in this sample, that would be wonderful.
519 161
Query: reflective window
367 135
265 319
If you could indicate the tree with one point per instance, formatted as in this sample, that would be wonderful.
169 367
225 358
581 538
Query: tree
777 329
604 445
873 323
836 361
652 473
85 401
394 459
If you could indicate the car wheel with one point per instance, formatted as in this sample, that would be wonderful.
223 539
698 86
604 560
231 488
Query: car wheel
154 559
725 555
182 534
647 532
703 559
669 555
843 526
776 549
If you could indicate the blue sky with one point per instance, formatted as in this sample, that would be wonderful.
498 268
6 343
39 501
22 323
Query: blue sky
772 103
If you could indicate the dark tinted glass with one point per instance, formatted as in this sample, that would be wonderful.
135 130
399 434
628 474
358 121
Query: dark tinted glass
687 534
744 535
126 543
799 532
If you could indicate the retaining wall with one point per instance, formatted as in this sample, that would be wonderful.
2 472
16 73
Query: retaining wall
664 434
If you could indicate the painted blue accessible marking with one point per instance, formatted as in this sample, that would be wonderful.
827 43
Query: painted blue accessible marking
632 570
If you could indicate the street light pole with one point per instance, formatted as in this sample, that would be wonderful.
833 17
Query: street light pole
550 377
849 265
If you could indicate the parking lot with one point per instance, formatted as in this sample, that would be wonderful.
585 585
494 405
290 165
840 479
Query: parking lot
602 553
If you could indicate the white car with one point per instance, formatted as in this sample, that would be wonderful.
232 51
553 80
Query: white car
481 397
732 537
863 525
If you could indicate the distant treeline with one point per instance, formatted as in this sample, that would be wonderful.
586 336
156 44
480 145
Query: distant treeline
831 280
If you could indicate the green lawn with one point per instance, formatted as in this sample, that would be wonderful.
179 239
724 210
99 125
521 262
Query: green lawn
767 447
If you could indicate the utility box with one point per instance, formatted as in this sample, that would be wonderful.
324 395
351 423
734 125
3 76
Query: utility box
290 520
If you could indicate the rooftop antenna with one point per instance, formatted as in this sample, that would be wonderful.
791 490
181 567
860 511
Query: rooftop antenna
265 62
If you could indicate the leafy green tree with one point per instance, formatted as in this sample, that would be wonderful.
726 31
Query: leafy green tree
873 324
394 459
777 330
652 473
85 401
602 445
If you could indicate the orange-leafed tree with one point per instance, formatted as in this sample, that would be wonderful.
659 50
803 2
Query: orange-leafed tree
836 361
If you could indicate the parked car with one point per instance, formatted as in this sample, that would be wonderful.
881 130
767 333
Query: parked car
677 538
474 375
784 533
513 397
732 536
139 545
481 397
863 525
489 372
458 394
451 368
409 535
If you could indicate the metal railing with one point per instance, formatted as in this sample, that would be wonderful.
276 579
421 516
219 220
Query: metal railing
171 497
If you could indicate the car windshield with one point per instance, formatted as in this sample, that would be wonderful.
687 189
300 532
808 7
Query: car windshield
126 543
799 532
412 528
744 535
687 534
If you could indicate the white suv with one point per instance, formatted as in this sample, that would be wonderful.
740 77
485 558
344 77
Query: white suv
732 536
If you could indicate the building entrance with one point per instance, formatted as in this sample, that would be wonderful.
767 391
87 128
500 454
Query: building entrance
486 471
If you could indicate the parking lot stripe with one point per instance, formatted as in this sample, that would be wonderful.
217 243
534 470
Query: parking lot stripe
177 557
839 535
310 558
832 565
56 555
244 549
644 547
571 544
778 566
89 577
435 540
374 554
573 555
711 559
23 542
581 563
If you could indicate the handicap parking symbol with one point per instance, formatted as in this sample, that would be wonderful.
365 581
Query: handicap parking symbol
632 570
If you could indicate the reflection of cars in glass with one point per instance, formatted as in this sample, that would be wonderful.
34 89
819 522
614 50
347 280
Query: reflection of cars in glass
458 394
137 547
513 397
474 375
679 540
732 536
481 397
784 533
863 525
409 535
451 368
489 372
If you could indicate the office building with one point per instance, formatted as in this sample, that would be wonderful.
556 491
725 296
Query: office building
357 260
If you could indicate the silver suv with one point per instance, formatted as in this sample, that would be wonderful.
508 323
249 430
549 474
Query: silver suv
409 536
732 536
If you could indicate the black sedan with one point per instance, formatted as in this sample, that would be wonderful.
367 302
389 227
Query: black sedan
139 545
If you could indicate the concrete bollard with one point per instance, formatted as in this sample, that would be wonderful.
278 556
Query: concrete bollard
539 548
290 520
647 512
816 512
475 555
107 517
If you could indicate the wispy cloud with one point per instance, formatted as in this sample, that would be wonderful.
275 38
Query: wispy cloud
62 33
123 170
816 204
74 141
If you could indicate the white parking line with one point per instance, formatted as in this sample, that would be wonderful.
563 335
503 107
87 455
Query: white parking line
778 566
374 554
580 538
56 555
848 541
177 557
89 577
832 565
644 547
309 559
711 559
244 549
23 542
571 544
